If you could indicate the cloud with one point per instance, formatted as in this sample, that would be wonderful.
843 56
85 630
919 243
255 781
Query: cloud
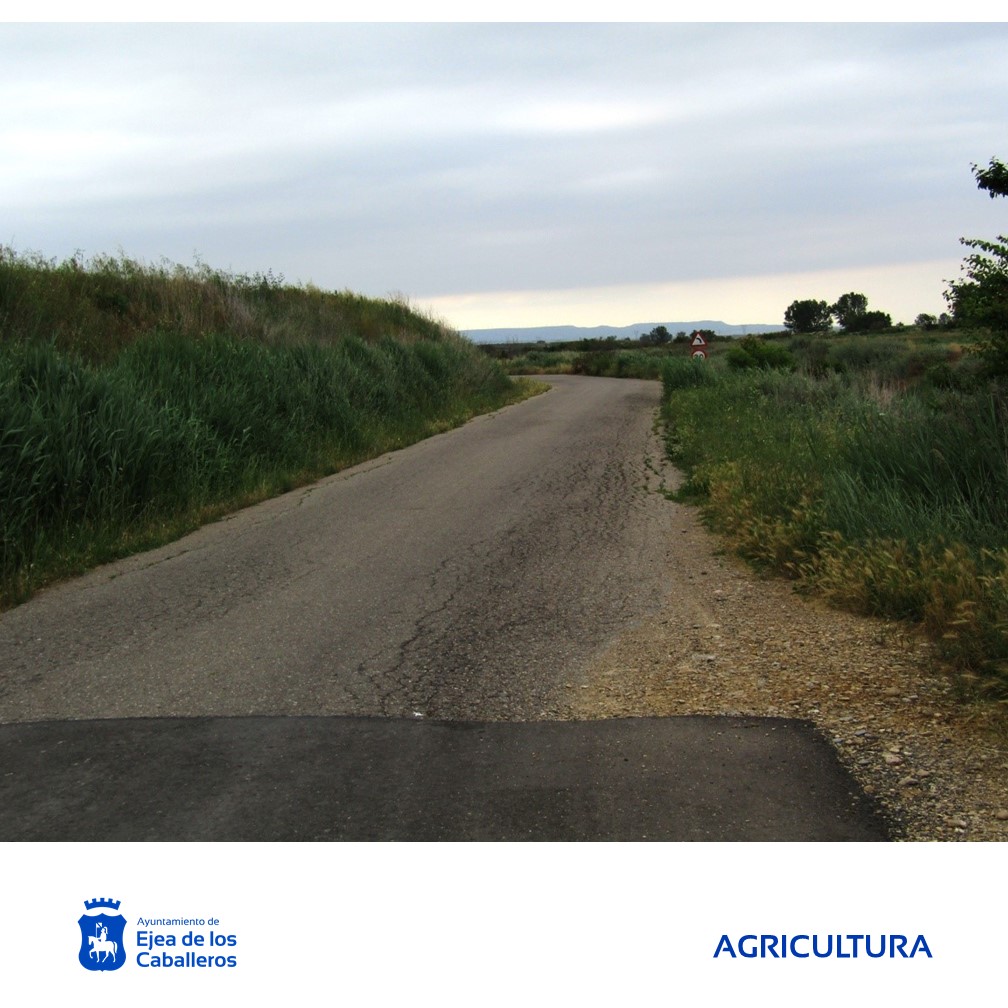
445 160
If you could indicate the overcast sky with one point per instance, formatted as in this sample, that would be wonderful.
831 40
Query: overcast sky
503 174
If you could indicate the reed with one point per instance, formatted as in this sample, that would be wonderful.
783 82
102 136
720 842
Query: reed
137 403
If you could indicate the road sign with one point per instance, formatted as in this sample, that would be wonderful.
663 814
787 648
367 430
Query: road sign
699 346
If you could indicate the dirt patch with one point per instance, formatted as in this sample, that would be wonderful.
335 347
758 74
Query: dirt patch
729 642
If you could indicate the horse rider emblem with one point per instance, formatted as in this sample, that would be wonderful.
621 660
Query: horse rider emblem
102 935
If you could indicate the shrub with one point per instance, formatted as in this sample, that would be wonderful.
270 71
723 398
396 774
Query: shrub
619 363
752 352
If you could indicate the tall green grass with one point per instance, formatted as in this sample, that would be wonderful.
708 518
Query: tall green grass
129 419
892 501
97 307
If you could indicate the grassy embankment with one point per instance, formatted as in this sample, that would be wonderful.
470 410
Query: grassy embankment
137 403
872 469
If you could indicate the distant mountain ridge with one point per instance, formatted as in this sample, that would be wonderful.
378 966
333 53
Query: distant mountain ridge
556 334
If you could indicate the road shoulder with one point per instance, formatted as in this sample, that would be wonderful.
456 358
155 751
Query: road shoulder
729 642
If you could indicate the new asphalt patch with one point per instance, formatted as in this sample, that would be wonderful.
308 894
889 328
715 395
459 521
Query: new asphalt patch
352 778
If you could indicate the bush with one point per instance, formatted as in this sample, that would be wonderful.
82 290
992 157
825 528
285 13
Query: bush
752 352
619 363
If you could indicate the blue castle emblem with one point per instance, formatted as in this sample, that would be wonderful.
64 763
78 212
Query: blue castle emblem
102 935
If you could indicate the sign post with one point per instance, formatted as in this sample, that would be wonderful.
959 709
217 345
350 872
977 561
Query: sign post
698 346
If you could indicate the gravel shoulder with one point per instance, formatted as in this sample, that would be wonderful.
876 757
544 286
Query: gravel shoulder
731 642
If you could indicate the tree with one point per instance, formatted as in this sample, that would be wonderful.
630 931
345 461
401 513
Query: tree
980 301
993 178
658 336
849 310
808 316
874 321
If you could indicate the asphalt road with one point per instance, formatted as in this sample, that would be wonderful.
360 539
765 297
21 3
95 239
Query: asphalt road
464 579
459 578
370 779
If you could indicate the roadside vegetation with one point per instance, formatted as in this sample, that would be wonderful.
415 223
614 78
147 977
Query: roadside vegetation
870 466
138 402
883 494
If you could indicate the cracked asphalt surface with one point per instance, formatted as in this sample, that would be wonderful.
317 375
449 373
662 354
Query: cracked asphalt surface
459 578
466 579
